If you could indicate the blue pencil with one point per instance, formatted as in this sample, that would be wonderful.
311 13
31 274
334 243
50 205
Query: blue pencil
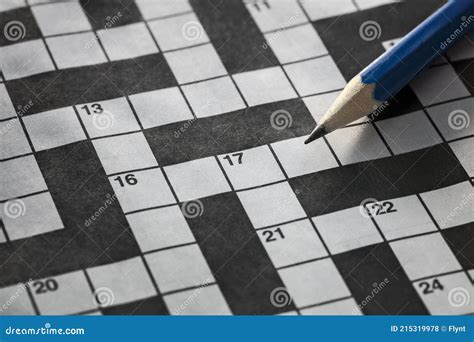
384 77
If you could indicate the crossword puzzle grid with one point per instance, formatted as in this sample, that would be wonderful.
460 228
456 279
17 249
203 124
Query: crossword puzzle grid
272 213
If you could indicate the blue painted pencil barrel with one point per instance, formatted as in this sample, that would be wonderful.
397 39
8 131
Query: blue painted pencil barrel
398 66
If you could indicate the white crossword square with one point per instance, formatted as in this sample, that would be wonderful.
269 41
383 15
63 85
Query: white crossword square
160 107
13 142
7 5
463 151
299 159
356 144
54 128
438 84
264 86
113 282
128 41
38 215
160 228
425 256
152 9
6 106
342 237
141 189
314 282
24 59
179 268
314 76
178 32
296 43
276 15
447 295
195 64
21 305
270 205
20 176
76 50
206 300
454 119
72 294
408 132
252 167
292 243
107 117
341 307
451 206
124 152
59 18
197 178
319 10
213 97
401 217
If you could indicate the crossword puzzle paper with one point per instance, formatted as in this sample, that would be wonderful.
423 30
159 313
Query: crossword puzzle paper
153 162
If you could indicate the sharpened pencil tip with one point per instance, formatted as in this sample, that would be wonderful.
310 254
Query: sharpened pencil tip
318 132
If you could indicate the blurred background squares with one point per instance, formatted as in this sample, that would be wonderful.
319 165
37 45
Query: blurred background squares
21 176
39 216
6 106
317 10
68 17
13 142
465 154
128 41
276 15
76 50
24 59
54 128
